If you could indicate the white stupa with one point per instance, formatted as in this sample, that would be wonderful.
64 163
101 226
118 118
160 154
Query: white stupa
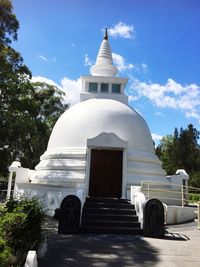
100 127
99 147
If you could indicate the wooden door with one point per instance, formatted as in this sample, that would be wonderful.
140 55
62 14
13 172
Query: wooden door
105 173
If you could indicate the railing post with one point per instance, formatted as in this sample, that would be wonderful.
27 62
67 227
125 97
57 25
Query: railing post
182 195
148 188
186 193
9 185
198 215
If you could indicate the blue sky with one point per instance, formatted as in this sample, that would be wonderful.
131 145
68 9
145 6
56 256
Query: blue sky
155 43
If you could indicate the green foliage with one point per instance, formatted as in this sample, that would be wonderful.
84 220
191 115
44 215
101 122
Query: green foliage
44 106
194 197
181 151
5 253
21 226
195 179
14 81
12 227
19 217
165 152
8 23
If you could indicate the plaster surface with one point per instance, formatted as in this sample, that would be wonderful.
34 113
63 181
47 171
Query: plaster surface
90 118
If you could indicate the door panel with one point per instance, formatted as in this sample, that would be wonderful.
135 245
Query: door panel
105 173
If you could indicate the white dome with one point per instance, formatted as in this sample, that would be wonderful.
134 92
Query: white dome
88 119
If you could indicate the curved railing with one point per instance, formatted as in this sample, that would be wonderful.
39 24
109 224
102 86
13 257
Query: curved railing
178 200
138 199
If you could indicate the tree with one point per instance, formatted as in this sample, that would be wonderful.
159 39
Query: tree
8 23
43 107
28 123
165 152
14 81
27 111
189 148
181 151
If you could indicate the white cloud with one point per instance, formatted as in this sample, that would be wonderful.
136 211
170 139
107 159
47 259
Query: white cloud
174 87
170 95
194 115
120 62
141 68
42 57
132 98
122 30
43 80
71 88
160 114
156 137
144 67
87 61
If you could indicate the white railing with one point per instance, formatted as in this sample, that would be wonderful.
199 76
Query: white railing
175 199
198 215
138 199
168 192
31 260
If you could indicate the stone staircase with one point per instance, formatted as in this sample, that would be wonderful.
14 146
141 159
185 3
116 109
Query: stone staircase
109 216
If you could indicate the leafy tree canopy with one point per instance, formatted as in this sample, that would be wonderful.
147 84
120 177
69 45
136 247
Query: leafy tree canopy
8 23
181 151
28 111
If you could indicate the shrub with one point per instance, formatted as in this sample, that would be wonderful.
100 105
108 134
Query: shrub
12 227
195 179
5 253
21 225
194 197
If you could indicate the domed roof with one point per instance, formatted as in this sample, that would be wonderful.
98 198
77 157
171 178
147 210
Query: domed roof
90 118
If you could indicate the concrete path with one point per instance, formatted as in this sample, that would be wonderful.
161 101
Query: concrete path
180 247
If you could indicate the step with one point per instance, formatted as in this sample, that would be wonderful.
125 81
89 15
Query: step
110 223
107 200
112 230
110 216
109 205
97 216
108 211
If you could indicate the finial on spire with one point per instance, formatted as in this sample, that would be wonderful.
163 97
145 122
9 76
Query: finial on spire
104 63
106 34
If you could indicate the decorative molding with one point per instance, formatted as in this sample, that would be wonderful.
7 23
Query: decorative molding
107 140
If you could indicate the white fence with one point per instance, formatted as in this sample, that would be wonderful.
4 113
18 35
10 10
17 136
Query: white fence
198 215
178 200
171 193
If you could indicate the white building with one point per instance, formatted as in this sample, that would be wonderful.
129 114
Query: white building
99 147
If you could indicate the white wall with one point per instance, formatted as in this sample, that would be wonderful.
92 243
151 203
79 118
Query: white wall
177 214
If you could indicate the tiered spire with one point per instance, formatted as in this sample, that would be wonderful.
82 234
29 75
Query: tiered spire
104 63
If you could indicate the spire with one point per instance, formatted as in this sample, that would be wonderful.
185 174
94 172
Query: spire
106 34
104 63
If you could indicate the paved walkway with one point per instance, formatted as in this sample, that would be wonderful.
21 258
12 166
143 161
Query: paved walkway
180 247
